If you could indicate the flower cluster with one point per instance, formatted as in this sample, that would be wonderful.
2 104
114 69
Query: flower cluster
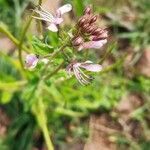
87 35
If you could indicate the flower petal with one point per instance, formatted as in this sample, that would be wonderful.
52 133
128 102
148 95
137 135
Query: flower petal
31 61
44 15
91 67
64 9
58 20
92 44
52 27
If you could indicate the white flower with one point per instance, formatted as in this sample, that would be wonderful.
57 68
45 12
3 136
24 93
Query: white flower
53 20
75 68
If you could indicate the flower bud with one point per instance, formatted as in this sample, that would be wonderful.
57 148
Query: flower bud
97 32
97 38
93 19
91 29
102 36
82 21
88 10
77 41
85 27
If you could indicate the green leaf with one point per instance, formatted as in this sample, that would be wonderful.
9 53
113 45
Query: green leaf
6 97
40 48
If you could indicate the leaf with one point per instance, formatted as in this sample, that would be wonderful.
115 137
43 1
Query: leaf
79 6
6 97
41 48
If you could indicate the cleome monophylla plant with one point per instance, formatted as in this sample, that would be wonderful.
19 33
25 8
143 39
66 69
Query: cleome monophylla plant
45 64
85 35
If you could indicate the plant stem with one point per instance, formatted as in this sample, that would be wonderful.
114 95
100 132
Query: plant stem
21 41
12 38
52 57
54 72
39 111
107 53
40 29
113 66
47 137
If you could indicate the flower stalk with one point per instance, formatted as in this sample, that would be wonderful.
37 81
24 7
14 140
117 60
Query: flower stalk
39 112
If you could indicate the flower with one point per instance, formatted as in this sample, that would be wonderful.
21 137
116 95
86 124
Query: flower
76 69
53 20
89 35
31 61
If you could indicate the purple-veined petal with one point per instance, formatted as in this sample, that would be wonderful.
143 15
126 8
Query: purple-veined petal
44 15
47 12
78 75
64 9
53 27
31 61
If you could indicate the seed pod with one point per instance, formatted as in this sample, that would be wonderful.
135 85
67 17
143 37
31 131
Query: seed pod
88 10
77 41
93 19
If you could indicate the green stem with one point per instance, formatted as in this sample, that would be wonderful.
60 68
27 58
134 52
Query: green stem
39 111
21 41
54 72
12 38
40 29
113 66
52 56
107 53
47 137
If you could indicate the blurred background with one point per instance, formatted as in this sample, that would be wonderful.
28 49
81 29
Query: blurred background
112 113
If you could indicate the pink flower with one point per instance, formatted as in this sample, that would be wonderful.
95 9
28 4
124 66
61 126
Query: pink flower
92 44
76 69
53 20
31 61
